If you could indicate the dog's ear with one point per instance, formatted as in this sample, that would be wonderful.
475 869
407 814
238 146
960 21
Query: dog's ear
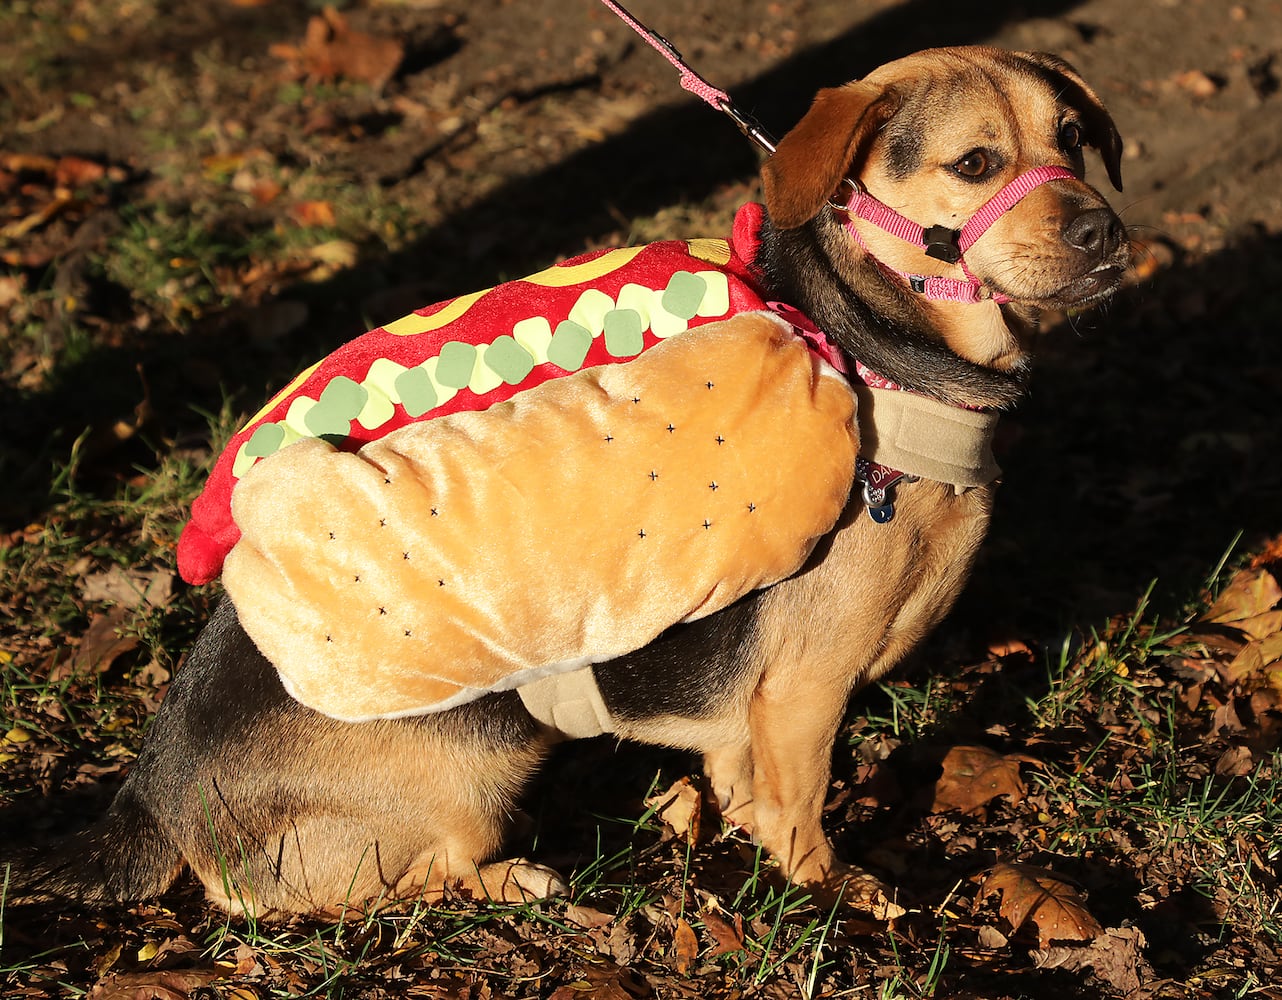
813 157
1100 130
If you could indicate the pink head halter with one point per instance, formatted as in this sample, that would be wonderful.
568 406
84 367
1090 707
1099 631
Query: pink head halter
942 243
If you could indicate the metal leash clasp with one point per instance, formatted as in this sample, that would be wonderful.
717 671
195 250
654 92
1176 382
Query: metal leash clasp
750 127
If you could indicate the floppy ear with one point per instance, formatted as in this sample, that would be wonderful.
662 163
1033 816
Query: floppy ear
1100 130
811 160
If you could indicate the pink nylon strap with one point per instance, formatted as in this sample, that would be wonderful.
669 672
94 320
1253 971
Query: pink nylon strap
933 287
1006 199
865 206
815 337
690 80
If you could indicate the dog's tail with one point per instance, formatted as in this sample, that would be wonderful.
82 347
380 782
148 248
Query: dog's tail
125 856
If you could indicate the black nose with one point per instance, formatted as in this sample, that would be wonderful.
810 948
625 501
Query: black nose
1097 231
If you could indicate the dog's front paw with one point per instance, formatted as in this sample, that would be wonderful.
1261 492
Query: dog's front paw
859 890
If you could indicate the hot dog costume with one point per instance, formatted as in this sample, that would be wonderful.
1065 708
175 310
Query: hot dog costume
515 484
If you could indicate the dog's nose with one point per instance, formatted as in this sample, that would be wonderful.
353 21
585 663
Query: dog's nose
1096 230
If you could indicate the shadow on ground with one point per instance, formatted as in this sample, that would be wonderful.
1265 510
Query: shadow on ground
680 153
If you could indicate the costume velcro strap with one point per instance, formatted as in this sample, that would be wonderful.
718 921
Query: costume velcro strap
926 438
570 703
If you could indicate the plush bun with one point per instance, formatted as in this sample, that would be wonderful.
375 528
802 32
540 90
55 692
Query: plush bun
567 525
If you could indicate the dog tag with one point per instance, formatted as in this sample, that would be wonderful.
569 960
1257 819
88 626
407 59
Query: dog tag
878 484
883 513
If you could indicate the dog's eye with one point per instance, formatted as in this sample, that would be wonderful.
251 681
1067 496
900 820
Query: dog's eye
1070 136
973 164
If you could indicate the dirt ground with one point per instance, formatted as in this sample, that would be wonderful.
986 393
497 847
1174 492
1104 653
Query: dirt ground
309 191
511 134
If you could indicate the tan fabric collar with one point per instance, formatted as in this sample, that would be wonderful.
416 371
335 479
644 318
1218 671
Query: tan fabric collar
926 438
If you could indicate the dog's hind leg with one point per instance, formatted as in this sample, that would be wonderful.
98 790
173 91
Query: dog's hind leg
729 773
513 881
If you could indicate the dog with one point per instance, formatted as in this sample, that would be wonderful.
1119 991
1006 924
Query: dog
279 810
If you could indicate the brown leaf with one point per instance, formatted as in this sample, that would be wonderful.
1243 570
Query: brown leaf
623 943
1224 639
729 937
73 171
1235 762
154 985
1256 658
1261 626
685 947
1039 895
1010 647
1251 592
130 588
681 807
974 776
587 917
27 163
102 645
1116 956
313 213
331 49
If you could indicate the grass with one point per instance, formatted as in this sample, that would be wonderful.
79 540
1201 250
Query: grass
1124 782
1145 788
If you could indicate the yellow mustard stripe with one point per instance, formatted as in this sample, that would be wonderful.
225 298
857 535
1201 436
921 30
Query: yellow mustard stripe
298 380
577 274
713 251
408 326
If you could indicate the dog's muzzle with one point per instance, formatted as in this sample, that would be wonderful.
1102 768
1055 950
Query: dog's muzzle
950 245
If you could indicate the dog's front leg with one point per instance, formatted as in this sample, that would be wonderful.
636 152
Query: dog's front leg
794 720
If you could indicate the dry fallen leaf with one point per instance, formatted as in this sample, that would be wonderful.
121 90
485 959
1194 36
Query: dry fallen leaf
313 213
587 917
973 776
75 171
155 985
1251 592
102 645
681 807
685 948
330 49
729 937
1039 895
1235 762
130 588
1116 956
1257 659
1261 626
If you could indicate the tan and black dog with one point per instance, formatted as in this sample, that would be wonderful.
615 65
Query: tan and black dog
278 809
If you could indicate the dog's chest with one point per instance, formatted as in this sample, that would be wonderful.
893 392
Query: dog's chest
883 586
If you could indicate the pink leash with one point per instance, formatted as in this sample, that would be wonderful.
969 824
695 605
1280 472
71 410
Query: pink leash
940 242
694 83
